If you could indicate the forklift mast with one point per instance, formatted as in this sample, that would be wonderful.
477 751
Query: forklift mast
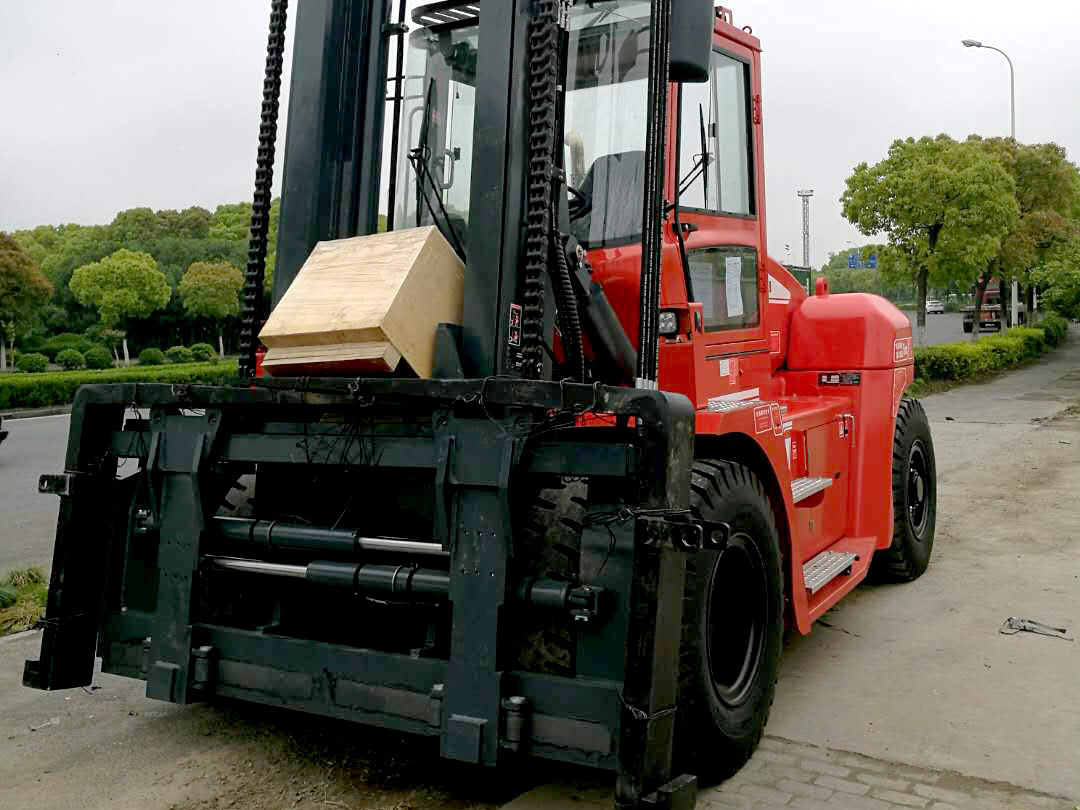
505 65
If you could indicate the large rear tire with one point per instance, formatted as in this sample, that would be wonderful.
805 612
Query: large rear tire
914 486
733 626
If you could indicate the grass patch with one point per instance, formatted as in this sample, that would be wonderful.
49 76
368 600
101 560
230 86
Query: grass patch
23 593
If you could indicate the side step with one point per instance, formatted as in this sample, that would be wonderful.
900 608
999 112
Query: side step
823 568
803 488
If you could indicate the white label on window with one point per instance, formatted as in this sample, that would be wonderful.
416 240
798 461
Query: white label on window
733 286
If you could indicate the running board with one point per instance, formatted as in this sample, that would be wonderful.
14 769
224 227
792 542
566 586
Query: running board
823 568
803 488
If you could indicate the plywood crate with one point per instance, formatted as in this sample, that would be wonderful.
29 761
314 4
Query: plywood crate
362 304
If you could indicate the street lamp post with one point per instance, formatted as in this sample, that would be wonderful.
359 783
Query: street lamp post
974 43
805 194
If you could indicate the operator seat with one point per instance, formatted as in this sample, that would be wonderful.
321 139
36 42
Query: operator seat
615 188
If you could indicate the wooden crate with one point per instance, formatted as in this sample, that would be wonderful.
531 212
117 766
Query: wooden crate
362 304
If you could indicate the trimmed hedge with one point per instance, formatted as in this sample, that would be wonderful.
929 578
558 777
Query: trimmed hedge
99 357
178 354
71 359
59 387
32 362
1054 327
203 353
52 347
151 357
955 362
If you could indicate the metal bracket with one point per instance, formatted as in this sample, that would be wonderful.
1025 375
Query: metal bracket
714 535
663 530
62 484
444 447
678 794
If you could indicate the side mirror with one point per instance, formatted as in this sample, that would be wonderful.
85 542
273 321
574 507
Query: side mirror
691 40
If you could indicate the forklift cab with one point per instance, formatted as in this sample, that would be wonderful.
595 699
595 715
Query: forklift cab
712 168
604 144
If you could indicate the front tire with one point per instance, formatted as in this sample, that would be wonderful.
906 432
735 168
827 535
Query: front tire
914 485
732 626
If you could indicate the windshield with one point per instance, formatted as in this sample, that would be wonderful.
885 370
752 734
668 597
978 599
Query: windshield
607 86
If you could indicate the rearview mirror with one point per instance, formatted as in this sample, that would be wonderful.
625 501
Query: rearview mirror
691 40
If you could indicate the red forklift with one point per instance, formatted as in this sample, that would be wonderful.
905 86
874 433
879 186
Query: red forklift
643 452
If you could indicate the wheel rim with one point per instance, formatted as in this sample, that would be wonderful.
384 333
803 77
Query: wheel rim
918 490
738 616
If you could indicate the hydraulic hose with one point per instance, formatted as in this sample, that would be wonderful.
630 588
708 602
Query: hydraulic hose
567 305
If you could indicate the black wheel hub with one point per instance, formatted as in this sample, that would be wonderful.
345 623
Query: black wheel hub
738 613
918 495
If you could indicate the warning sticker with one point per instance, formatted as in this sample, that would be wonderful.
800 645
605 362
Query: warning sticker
762 418
774 342
733 371
513 334
902 350
839 378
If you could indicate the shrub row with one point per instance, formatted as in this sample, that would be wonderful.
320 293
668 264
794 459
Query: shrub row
59 387
954 362
79 352
197 353
53 346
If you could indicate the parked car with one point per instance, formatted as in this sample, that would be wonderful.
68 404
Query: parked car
934 307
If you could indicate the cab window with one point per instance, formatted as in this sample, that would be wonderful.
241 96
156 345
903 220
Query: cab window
725 281
715 141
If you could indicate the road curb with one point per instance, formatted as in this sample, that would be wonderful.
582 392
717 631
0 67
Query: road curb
17 636
26 413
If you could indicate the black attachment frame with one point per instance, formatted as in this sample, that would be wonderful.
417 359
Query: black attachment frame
486 439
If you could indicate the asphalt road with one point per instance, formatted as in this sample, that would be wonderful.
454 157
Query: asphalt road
947 327
34 445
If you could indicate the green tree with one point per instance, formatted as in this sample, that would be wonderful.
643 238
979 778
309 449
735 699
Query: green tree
1047 186
23 290
944 206
125 284
233 221
212 290
1058 274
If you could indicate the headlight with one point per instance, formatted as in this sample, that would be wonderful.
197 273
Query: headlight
669 322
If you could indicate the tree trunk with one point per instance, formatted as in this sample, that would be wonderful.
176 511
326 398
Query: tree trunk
127 357
220 345
980 289
920 305
3 356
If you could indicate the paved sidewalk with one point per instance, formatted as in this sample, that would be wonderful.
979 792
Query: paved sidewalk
785 774
806 777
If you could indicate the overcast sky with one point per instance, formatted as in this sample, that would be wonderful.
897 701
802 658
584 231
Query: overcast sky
112 104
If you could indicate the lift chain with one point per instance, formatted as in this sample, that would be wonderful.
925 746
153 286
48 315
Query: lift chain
543 56
251 302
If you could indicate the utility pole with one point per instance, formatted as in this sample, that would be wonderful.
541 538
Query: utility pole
805 194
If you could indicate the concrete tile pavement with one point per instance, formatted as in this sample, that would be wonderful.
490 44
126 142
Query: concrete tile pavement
783 773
